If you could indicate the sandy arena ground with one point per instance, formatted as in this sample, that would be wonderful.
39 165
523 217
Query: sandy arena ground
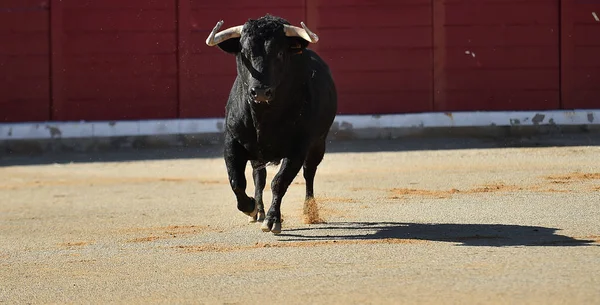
402 225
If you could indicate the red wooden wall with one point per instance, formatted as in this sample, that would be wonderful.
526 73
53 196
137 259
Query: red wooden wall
580 54
496 55
24 61
143 59
380 53
118 59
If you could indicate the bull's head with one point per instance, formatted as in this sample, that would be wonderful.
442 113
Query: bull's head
264 50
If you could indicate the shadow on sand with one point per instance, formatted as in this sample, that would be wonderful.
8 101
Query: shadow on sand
8 158
493 235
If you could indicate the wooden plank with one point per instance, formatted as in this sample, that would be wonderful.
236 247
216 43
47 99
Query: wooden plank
211 92
204 20
362 4
503 80
24 66
117 65
24 21
582 12
580 46
382 60
312 19
24 43
183 56
57 71
212 64
514 35
120 4
396 63
25 88
567 49
120 59
376 16
120 43
10 6
117 19
24 61
495 54
24 109
502 13
586 78
379 39
385 81
439 37
384 102
587 34
585 99
245 4
95 109
138 89
501 57
500 100
586 56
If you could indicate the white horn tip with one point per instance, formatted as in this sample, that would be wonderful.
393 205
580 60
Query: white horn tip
211 36
313 36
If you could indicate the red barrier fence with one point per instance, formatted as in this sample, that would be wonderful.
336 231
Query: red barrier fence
143 59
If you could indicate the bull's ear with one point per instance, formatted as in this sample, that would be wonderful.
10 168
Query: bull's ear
231 46
297 44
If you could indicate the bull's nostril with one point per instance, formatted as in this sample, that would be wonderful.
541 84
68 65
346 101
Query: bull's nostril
253 92
268 93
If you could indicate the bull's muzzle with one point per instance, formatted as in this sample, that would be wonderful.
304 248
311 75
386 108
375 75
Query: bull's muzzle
261 93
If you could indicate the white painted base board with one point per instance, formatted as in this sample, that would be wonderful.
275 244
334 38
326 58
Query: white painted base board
51 130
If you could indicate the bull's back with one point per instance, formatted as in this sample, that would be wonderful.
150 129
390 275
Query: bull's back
323 93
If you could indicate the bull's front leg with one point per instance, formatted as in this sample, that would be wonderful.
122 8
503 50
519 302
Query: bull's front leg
288 171
259 174
235 161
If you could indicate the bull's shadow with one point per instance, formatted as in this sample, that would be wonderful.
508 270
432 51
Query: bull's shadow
494 235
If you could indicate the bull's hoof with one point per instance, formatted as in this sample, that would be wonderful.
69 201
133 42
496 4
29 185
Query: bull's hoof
265 227
276 229
261 215
270 226
254 212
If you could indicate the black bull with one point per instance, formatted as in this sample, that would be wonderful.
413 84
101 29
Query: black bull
280 109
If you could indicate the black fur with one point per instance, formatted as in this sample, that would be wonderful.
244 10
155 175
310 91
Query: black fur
291 128
265 27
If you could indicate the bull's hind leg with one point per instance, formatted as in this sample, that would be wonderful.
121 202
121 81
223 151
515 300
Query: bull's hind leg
313 159
288 171
235 161
259 173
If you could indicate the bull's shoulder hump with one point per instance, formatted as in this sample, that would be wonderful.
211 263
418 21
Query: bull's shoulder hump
316 63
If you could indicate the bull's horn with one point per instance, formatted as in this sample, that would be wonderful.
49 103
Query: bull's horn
303 32
216 38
